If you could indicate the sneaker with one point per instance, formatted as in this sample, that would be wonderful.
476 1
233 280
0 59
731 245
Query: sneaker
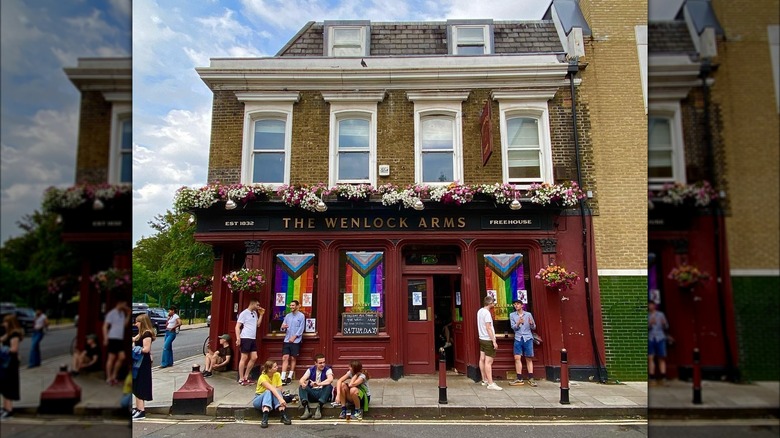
343 414
335 404
516 382
494 387
532 382
139 415
207 374
484 383
6 415
358 415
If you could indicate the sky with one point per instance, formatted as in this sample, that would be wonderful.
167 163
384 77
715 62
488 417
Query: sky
40 106
172 106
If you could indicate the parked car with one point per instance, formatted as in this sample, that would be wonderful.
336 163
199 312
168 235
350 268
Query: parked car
208 321
26 317
159 322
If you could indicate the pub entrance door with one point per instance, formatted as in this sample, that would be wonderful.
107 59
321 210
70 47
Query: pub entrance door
419 342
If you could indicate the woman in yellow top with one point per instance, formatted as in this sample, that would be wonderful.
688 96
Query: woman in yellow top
269 395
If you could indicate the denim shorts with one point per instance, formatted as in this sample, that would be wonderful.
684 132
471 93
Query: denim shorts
657 348
524 348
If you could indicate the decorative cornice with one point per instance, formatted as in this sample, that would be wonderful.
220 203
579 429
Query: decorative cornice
417 96
353 96
538 93
253 246
268 96
548 245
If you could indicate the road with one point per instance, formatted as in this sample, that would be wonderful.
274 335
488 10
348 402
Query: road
187 343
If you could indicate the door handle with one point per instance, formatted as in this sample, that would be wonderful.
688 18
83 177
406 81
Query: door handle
429 313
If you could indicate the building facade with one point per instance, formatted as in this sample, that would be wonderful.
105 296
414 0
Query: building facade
455 125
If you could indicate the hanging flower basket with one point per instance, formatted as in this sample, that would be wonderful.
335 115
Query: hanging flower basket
111 279
688 276
245 280
196 284
557 277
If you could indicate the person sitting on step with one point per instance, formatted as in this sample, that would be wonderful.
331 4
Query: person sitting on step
354 391
315 386
219 360
269 395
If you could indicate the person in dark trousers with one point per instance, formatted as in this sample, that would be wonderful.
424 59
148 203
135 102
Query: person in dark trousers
315 387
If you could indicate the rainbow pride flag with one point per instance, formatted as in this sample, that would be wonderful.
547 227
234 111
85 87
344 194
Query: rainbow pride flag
293 280
364 281
504 274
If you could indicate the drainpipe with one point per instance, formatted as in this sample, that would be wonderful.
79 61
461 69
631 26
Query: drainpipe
717 213
572 71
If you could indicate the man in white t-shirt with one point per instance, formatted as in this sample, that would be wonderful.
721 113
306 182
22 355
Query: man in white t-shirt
246 335
487 343
114 339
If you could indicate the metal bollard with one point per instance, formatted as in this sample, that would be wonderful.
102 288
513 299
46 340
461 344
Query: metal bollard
442 376
564 377
696 377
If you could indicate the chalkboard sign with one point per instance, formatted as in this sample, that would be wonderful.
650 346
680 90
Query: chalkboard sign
357 324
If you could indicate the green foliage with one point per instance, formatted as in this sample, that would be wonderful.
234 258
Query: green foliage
27 262
162 260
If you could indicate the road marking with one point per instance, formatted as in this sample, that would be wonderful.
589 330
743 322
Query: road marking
627 422
61 421
717 421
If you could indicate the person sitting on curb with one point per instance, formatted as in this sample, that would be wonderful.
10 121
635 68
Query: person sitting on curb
86 360
268 395
219 360
354 389
315 386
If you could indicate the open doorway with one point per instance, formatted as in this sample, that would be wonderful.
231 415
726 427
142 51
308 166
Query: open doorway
445 289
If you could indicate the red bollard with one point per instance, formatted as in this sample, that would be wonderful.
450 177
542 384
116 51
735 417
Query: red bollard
442 376
194 395
564 377
696 377
61 396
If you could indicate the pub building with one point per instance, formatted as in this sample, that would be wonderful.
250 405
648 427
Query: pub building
442 104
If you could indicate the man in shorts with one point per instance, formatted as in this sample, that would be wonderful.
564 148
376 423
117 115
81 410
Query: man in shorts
219 360
523 323
487 343
294 323
246 335
657 325
114 327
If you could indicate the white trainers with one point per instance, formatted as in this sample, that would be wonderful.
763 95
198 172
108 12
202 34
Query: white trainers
494 387
484 383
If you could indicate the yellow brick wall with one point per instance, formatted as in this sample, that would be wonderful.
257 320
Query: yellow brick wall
751 131
611 85
94 138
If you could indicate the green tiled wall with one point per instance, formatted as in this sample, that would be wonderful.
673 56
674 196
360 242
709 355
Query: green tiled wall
624 311
757 307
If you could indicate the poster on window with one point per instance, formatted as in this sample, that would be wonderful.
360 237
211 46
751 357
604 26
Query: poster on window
504 276
417 298
522 295
363 279
311 325
348 300
293 279
457 298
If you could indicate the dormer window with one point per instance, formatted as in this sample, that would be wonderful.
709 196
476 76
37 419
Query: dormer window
346 38
470 37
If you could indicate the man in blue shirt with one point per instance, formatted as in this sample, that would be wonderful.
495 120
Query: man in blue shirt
657 325
523 323
293 323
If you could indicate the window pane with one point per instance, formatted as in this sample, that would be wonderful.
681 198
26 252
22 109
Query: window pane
524 164
660 164
294 278
268 168
660 133
353 133
126 172
346 36
347 51
471 50
471 35
127 135
353 166
269 134
361 284
437 167
437 133
522 131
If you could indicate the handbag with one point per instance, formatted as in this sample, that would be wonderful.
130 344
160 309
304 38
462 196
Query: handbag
537 339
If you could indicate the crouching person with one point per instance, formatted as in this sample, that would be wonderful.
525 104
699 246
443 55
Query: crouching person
219 360
268 395
315 387
354 390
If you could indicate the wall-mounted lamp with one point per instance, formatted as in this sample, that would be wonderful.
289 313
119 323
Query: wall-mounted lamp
97 205
230 204
191 220
515 205
58 219
321 206
418 205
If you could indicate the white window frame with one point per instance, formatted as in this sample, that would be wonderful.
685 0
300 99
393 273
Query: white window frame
487 48
121 111
342 111
641 47
673 112
254 113
438 103
532 109
331 39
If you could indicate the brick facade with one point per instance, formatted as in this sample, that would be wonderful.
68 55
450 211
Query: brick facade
94 138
